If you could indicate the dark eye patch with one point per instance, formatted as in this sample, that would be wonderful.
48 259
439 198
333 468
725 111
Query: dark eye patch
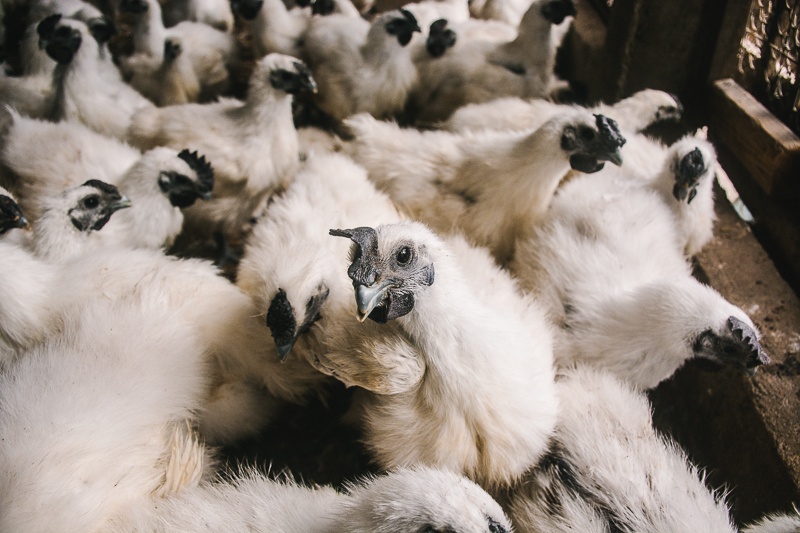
91 202
587 133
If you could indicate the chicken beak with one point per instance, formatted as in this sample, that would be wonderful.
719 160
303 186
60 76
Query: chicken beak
615 157
369 297
23 223
283 350
122 203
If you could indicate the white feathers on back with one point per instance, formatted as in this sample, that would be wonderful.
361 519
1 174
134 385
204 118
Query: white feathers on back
608 469
86 417
402 501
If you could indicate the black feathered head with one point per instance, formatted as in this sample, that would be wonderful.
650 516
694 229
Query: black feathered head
10 215
690 169
589 145
282 319
247 9
736 345
323 7
403 27
137 7
440 38
61 42
557 10
182 190
294 78
201 167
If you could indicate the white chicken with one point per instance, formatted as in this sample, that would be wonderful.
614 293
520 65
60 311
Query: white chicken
632 114
87 418
462 376
32 93
610 262
608 470
215 13
361 67
291 268
491 186
87 89
274 28
212 54
165 79
478 70
252 145
160 183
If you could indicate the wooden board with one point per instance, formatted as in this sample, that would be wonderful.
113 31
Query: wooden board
765 146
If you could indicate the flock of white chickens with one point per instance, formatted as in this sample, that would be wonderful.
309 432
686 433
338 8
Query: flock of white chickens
499 279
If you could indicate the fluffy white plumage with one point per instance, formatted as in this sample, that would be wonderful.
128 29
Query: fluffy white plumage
215 13
462 376
87 417
89 88
74 154
25 316
159 183
508 11
361 67
32 93
408 499
239 353
633 114
776 523
274 27
212 53
252 145
609 261
478 70
491 186
165 78
608 470
427 11
75 9
290 249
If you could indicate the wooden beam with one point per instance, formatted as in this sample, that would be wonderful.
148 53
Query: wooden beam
765 146
726 52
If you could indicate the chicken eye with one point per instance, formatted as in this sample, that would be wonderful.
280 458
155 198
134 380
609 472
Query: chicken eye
91 202
182 180
587 133
403 255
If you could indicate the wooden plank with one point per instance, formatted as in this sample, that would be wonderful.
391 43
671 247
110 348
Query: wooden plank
766 147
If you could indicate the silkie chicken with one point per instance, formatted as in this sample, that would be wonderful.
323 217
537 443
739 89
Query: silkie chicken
492 186
610 262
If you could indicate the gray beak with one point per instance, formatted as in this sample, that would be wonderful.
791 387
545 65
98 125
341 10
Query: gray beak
367 298
122 203
283 351
615 157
